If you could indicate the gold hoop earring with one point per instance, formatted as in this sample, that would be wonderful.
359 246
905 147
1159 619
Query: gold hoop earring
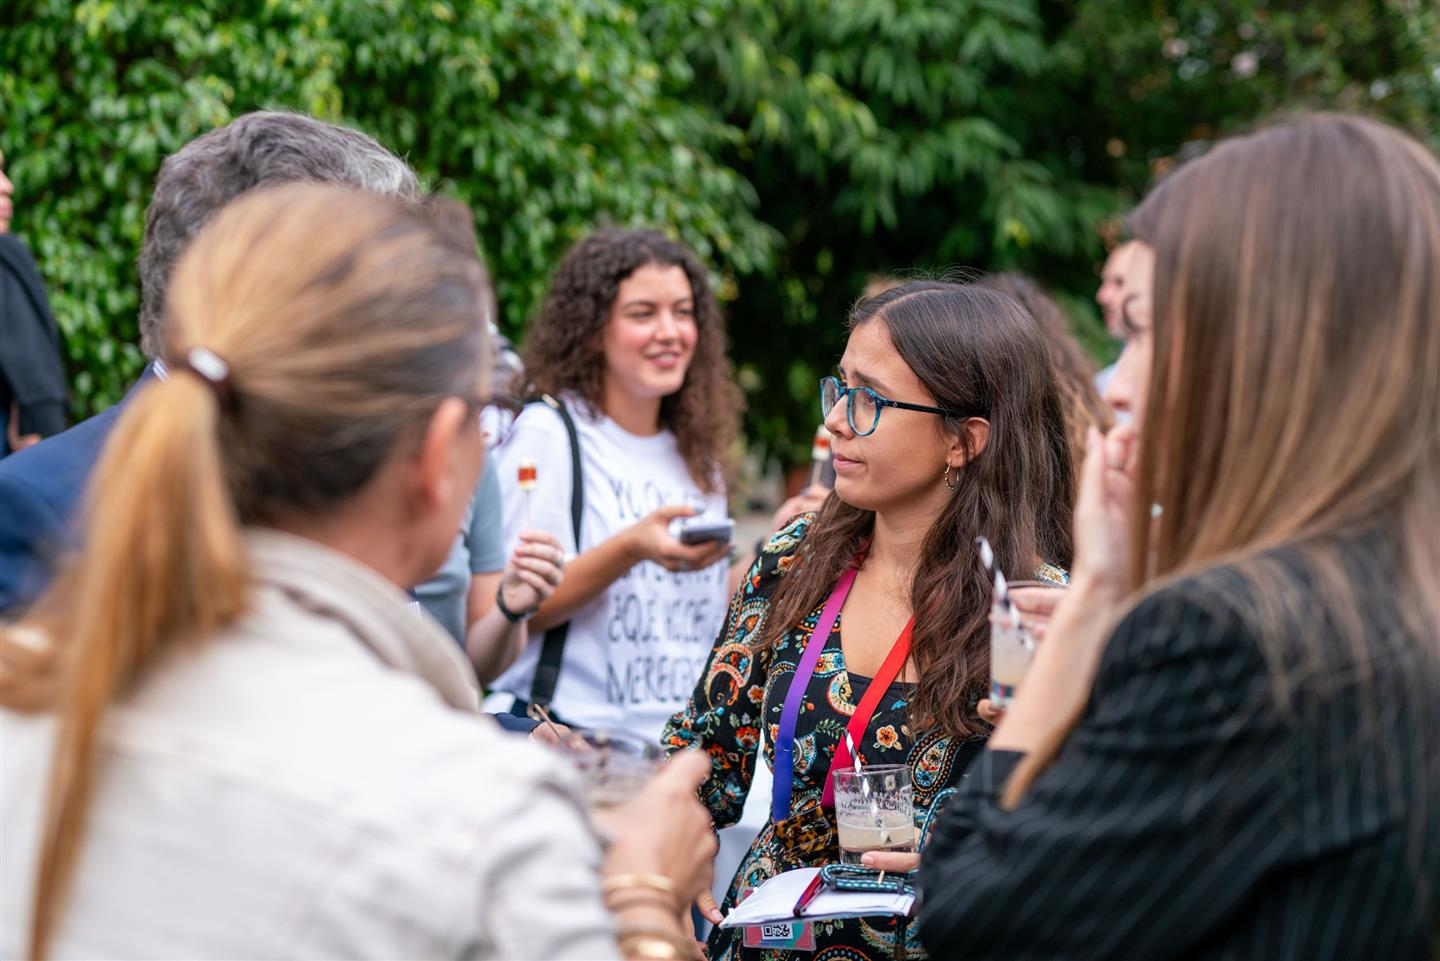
946 478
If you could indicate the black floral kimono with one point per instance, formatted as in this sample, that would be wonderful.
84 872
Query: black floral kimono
742 689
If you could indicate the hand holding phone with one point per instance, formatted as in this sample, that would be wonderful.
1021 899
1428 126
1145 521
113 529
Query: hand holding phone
700 530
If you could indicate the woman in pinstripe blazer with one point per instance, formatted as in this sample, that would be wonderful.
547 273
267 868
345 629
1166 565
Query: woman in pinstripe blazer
1228 745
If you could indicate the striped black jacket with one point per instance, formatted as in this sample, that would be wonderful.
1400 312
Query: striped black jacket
1193 813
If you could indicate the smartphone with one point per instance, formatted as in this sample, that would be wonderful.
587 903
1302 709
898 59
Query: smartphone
698 530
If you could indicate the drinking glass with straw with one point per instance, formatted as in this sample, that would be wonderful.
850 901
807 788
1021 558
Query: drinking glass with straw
1011 645
874 808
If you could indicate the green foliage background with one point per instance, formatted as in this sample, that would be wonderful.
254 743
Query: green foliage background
799 147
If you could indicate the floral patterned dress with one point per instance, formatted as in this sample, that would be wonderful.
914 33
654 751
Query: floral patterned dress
743 689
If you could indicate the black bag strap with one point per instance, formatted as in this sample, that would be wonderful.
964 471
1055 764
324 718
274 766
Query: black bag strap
552 648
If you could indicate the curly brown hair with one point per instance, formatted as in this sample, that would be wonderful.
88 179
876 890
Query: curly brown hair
565 346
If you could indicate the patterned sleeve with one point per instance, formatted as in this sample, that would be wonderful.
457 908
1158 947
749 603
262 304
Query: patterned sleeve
724 714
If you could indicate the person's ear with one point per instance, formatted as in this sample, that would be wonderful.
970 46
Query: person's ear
967 445
436 464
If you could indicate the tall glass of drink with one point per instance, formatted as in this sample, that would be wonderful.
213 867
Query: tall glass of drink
1009 659
1012 646
874 809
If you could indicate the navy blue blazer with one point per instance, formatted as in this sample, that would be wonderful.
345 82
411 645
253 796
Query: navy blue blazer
40 492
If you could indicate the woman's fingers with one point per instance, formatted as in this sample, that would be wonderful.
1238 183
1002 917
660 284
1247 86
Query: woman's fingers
538 563
1122 445
1122 462
549 553
524 589
719 551
895 861
664 829
696 558
709 910
1102 509
1036 601
687 770
988 712
687 925
1092 473
536 583
541 568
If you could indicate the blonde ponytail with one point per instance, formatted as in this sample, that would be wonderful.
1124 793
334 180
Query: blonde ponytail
339 321
164 563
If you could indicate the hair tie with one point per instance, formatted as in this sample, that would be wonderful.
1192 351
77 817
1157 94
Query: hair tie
207 365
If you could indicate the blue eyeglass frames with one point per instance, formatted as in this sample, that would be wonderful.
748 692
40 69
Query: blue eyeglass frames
863 406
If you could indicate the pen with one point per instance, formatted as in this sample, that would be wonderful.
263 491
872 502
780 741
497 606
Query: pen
808 895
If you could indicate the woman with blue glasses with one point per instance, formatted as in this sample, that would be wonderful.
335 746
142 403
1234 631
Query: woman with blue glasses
947 423
863 406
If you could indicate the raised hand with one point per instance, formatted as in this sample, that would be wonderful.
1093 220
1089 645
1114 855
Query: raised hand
534 571
666 830
1103 509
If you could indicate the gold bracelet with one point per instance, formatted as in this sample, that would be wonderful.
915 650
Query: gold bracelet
652 882
651 949
649 943
634 897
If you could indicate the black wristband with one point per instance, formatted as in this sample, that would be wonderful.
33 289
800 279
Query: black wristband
514 617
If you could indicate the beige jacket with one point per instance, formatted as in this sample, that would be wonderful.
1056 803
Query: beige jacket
313 783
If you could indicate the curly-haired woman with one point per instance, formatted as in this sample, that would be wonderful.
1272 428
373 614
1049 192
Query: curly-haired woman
631 340
947 423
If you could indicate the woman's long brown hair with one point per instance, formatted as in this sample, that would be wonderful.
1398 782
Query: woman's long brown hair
565 348
973 349
1295 393
345 318
1084 407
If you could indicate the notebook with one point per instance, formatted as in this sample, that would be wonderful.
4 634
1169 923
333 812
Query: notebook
775 901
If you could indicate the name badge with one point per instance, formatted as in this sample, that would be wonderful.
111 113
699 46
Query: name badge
794 936
788 936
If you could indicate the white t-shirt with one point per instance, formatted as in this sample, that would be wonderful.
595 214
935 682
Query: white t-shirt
635 652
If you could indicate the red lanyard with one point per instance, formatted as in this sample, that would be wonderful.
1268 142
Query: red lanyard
860 720
795 696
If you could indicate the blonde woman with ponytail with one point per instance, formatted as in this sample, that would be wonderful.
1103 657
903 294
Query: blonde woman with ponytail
1228 745
224 733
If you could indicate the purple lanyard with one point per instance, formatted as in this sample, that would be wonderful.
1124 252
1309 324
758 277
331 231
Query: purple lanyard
795 696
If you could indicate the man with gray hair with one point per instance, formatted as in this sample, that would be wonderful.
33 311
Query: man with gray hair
40 487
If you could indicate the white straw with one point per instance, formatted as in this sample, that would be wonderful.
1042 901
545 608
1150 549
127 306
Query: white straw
854 755
1002 590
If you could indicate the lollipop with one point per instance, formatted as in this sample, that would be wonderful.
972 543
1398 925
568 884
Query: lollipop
528 475
819 453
